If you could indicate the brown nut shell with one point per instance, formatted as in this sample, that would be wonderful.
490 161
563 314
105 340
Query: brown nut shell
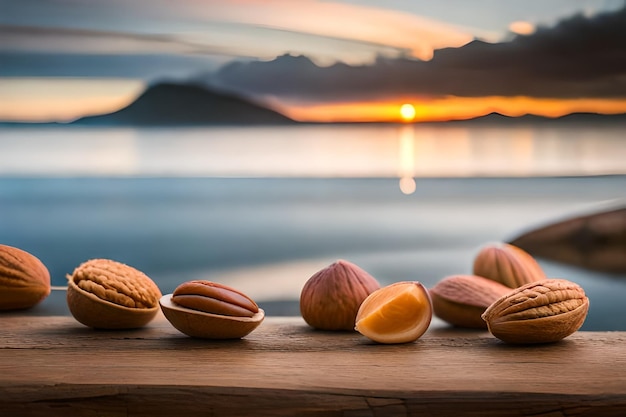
24 279
201 324
508 265
106 294
539 312
461 299
331 298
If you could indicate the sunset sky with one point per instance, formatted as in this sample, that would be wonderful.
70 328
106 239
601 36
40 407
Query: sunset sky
317 60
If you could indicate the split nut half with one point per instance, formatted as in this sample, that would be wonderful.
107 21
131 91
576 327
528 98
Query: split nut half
106 294
210 310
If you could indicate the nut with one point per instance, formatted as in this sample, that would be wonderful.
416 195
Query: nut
331 298
106 294
210 310
398 313
461 299
508 265
24 279
539 312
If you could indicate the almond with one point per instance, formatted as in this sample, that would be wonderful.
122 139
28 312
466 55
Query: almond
24 279
508 265
461 299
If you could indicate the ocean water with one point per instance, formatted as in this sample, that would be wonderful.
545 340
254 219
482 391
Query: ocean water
321 151
264 209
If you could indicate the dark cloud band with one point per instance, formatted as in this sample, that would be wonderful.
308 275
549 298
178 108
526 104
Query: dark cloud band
579 57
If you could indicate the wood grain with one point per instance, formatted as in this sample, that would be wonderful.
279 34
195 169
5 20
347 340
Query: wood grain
55 366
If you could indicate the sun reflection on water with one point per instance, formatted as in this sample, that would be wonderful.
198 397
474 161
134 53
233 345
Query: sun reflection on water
407 159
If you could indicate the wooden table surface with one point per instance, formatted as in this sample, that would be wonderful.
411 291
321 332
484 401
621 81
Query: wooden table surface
55 366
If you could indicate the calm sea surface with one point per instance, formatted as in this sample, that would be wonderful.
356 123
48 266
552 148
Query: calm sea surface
314 151
262 209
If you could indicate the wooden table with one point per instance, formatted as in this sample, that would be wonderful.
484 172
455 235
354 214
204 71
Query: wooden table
54 366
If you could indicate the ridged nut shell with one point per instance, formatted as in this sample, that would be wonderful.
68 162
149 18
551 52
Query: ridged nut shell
508 265
539 312
210 310
106 294
461 299
331 298
24 279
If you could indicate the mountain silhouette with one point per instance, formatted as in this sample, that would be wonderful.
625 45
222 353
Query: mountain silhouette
186 104
572 118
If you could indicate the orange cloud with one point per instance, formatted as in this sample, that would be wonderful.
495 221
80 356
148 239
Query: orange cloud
522 27
415 34
452 108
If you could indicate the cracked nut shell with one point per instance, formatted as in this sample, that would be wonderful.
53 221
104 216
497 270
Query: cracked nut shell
106 294
209 310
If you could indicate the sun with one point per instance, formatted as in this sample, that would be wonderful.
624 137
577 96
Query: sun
407 112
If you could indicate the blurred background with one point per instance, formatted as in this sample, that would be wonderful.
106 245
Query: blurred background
255 142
